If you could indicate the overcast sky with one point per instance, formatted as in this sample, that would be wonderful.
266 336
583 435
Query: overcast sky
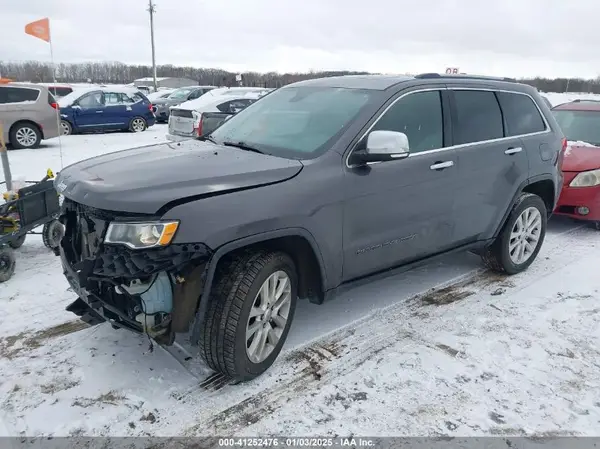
501 37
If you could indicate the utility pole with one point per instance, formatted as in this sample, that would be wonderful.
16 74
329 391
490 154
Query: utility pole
151 10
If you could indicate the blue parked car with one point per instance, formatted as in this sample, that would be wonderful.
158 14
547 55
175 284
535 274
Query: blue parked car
105 109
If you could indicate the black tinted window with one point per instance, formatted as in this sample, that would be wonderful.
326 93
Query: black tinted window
419 116
520 113
478 117
18 94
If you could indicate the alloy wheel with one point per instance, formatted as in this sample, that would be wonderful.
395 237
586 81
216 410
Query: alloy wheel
268 316
26 136
525 235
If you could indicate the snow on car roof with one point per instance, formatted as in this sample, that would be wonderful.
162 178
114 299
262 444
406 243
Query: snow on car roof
216 95
68 100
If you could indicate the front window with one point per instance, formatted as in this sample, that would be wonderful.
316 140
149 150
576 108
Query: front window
296 122
181 94
579 125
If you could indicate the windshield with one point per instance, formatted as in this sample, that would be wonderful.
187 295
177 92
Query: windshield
579 125
181 94
295 122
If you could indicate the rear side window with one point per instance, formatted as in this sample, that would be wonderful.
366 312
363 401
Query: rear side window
137 97
18 94
196 94
234 106
520 113
419 116
478 117
112 98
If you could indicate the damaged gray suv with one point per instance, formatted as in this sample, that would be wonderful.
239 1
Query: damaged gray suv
315 188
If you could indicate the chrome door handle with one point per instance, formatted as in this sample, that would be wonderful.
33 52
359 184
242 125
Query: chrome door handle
513 150
442 165
99 112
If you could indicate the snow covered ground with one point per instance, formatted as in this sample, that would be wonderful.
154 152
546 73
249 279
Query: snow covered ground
446 349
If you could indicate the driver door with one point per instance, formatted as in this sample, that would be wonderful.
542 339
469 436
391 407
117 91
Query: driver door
401 210
90 111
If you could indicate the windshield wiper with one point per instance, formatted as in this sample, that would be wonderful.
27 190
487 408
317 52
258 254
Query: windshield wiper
243 146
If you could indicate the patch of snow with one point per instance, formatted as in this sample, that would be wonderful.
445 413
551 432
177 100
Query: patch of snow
579 143
560 98
214 95
33 163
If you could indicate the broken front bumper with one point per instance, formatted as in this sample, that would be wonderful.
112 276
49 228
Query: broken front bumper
97 277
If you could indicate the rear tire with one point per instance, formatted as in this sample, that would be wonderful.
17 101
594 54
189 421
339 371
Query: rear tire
15 244
521 238
65 128
52 234
244 330
138 124
7 263
25 135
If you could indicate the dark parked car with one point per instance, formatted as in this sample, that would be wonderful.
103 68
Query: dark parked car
105 109
319 186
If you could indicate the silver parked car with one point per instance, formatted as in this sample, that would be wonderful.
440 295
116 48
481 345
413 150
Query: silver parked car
191 119
28 113
161 106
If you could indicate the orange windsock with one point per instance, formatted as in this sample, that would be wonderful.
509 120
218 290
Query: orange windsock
40 29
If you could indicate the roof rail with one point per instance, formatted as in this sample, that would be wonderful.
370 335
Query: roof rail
457 76
590 100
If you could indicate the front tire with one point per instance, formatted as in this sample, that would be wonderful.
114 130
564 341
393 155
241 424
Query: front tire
521 238
138 125
250 310
25 135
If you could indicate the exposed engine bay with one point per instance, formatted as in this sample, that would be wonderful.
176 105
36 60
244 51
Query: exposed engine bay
152 290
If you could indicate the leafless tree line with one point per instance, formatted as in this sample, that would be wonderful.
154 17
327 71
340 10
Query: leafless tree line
119 73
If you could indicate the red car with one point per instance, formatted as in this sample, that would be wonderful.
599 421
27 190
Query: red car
580 196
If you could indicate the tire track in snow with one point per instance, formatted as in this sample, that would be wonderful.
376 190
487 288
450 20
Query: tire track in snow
322 362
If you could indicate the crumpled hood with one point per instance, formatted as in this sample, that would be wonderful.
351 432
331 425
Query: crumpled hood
581 156
145 179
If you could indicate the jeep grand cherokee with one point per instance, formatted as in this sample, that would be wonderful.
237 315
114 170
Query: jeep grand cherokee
319 186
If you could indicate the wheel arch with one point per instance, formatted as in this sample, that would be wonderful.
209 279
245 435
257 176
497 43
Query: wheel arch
542 186
25 121
298 243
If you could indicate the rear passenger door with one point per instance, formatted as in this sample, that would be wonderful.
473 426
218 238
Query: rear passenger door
492 163
115 113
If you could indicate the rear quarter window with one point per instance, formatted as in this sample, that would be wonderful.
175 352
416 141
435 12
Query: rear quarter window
60 91
18 95
520 114
137 97
478 117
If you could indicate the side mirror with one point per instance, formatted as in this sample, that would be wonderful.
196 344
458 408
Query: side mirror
384 146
